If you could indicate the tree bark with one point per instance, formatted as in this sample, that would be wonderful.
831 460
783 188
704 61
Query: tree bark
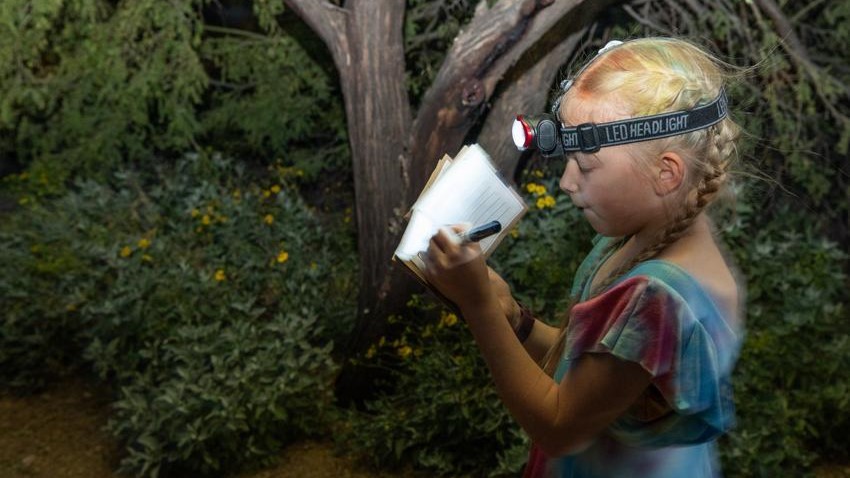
393 155
494 40
365 39
526 94
527 85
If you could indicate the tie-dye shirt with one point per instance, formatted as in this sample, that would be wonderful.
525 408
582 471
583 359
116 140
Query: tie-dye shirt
660 317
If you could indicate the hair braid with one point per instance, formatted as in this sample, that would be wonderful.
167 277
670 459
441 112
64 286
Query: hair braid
657 75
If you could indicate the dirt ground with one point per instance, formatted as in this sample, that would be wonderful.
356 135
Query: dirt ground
59 434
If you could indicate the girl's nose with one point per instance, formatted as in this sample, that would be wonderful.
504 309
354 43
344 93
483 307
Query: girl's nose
569 180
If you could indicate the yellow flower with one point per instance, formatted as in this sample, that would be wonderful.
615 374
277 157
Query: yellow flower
144 243
282 257
404 351
205 220
372 351
546 201
537 189
515 232
447 320
275 189
538 173
147 258
266 193
195 212
126 251
268 219
219 275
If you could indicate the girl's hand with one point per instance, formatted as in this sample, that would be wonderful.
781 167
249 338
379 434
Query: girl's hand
507 302
457 270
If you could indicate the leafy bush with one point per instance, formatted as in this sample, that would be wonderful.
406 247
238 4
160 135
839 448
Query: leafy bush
91 85
443 413
208 300
791 385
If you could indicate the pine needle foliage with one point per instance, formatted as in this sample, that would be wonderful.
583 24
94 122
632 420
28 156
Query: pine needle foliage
90 85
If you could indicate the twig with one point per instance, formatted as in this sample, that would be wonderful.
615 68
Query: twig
237 32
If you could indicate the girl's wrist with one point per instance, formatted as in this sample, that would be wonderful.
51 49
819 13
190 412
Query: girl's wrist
523 323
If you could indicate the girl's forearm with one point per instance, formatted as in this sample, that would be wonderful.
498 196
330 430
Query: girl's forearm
528 393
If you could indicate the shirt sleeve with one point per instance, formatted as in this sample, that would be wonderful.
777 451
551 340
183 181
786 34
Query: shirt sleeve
643 320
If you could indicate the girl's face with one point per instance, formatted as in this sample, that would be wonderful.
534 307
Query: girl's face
614 193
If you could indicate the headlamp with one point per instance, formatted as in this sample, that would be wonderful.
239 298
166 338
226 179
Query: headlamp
546 134
537 132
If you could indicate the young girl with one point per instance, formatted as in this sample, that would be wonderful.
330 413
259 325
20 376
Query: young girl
636 382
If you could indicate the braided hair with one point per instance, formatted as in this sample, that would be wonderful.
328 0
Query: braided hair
652 76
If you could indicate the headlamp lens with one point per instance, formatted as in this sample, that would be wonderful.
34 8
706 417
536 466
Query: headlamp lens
522 133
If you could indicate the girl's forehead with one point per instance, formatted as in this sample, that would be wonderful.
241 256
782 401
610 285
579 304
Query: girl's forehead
577 109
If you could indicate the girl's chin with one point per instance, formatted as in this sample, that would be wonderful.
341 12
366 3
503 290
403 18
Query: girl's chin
601 227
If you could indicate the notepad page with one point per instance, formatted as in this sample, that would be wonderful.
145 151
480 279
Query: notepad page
470 191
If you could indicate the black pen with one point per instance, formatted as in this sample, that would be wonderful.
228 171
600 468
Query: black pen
481 232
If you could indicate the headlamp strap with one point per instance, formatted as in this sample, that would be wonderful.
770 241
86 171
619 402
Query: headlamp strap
590 137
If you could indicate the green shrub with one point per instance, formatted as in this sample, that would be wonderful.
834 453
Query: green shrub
209 300
791 385
443 413
91 85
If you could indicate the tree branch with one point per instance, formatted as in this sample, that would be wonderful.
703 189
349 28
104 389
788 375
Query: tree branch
798 53
486 48
324 18
786 31
527 94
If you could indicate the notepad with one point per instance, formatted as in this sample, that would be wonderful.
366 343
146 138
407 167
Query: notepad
465 189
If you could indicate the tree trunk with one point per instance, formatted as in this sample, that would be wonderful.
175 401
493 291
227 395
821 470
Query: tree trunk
495 39
393 156
367 45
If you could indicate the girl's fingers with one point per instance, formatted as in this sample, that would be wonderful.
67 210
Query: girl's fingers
445 240
460 228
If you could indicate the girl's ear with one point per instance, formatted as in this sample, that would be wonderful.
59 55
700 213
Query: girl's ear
670 173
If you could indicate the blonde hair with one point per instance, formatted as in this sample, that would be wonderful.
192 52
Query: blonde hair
657 75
